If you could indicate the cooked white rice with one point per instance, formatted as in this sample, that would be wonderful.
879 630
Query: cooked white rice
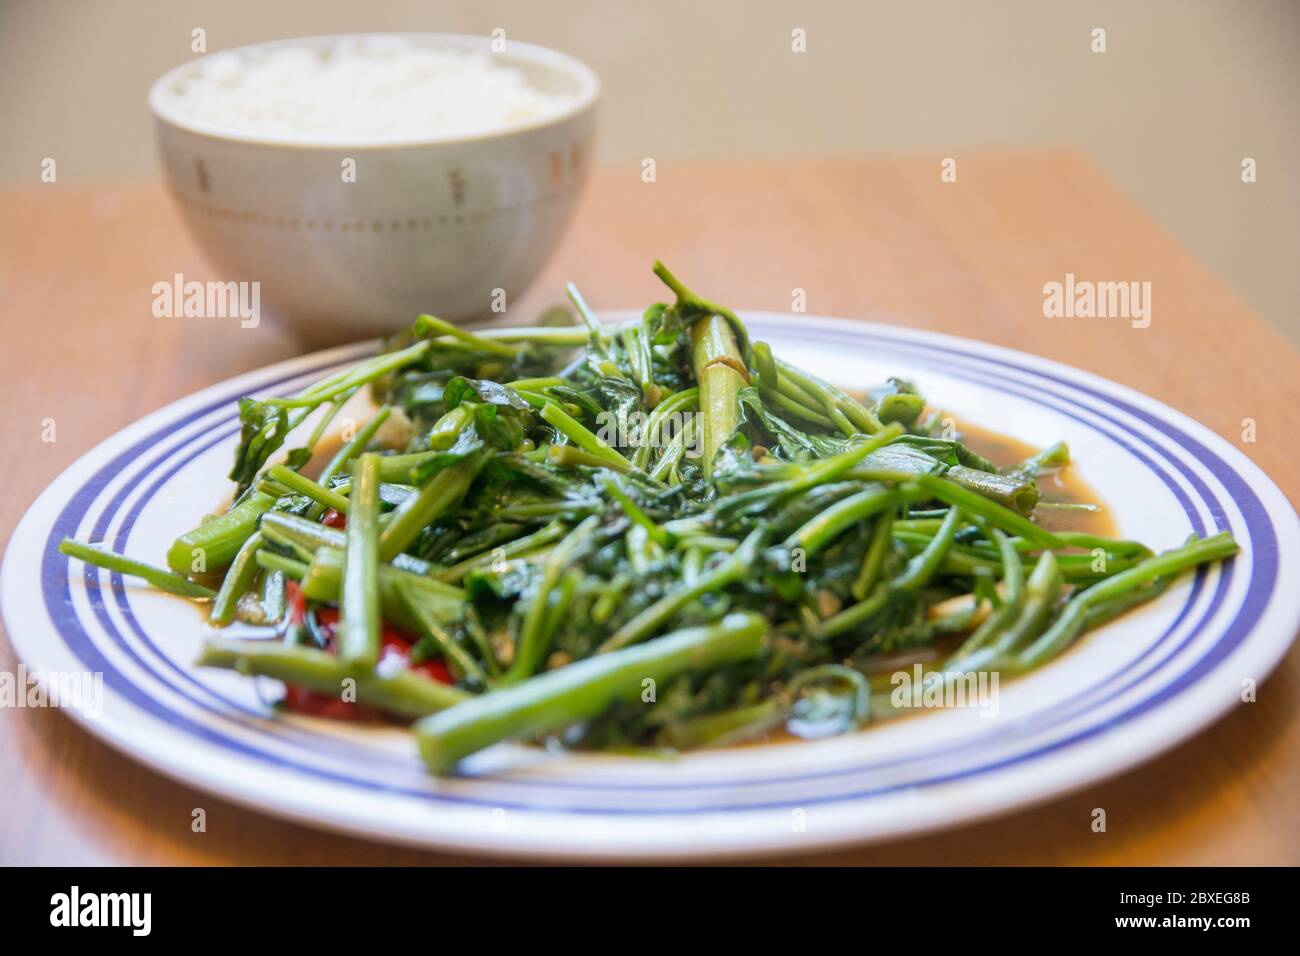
363 89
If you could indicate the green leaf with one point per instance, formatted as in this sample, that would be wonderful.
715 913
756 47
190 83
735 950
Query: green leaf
500 426
949 452
461 389
467 443
262 430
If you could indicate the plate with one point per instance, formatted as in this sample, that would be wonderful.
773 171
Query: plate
1124 694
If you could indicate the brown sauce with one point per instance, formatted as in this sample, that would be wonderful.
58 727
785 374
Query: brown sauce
1061 486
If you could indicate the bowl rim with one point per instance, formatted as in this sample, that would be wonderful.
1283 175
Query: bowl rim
588 93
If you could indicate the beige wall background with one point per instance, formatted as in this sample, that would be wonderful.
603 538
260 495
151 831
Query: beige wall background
1185 90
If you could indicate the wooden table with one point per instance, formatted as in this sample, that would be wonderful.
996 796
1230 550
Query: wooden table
883 239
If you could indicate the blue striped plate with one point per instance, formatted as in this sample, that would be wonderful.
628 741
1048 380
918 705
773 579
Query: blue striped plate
1126 693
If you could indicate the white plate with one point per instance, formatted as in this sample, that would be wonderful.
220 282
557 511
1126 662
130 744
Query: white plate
1128 692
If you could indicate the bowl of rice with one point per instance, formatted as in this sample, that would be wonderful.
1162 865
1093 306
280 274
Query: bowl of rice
359 180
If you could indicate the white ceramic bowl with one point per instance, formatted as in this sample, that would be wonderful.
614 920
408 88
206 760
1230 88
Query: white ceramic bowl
436 224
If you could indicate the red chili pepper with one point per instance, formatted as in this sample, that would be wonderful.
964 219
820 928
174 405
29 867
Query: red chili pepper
436 669
296 602
327 621
335 519
393 643
312 703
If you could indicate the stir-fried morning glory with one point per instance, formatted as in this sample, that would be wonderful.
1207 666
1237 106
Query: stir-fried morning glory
658 534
